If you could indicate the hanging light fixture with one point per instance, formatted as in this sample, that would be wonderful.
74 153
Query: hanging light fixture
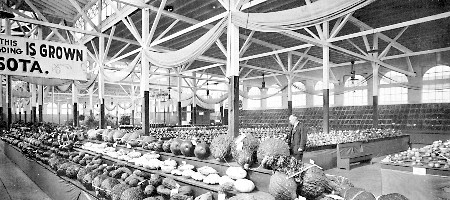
263 83
4 14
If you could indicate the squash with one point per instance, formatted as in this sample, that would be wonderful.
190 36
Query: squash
244 185
225 179
236 172
281 187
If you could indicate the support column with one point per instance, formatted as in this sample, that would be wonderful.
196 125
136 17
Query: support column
91 101
101 79
326 81
1 99
194 102
375 82
289 86
41 102
145 72
179 101
75 105
40 87
133 105
8 101
33 103
289 105
233 74
8 83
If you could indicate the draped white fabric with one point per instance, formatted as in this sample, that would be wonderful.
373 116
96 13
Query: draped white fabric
84 85
190 52
125 106
63 88
117 76
213 101
259 97
297 18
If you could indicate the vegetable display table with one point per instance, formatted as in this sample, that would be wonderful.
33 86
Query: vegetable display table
415 183
54 186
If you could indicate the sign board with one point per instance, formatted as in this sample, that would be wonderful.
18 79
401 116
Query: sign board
36 58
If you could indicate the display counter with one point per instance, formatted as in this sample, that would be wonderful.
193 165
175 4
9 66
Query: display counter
327 158
416 183
56 187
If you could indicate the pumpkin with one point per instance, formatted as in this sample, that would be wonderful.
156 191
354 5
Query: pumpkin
282 188
244 185
236 172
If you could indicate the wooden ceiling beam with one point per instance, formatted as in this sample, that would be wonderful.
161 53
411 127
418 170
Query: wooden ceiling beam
42 17
393 26
83 14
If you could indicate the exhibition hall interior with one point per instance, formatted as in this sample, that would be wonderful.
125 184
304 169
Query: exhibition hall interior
225 99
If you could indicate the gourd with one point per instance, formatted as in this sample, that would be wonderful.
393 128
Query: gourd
236 172
244 185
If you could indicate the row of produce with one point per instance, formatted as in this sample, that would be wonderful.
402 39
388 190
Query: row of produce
316 138
436 155
290 179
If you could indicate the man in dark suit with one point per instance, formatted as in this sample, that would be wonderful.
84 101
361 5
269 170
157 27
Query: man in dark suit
297 138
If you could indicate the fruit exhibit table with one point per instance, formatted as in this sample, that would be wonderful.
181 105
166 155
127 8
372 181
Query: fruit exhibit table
54 186
327 157
416 183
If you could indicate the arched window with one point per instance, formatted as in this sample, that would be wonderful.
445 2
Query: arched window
298 94
356 91
66 108
318 99
52 108
254 92
391 90
274 101
436 85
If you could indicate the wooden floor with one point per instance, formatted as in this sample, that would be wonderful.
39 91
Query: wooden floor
15 185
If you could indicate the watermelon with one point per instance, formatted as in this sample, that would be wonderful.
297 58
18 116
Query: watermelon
187 148
175 146
201 151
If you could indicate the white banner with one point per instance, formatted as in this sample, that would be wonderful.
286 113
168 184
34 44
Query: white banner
36 58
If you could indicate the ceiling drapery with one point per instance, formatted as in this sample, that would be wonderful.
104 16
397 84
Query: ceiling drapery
189 53
299 17
117 76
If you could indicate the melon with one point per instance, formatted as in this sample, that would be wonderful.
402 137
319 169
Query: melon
187 148
175 146
355 193
392 196
201 151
